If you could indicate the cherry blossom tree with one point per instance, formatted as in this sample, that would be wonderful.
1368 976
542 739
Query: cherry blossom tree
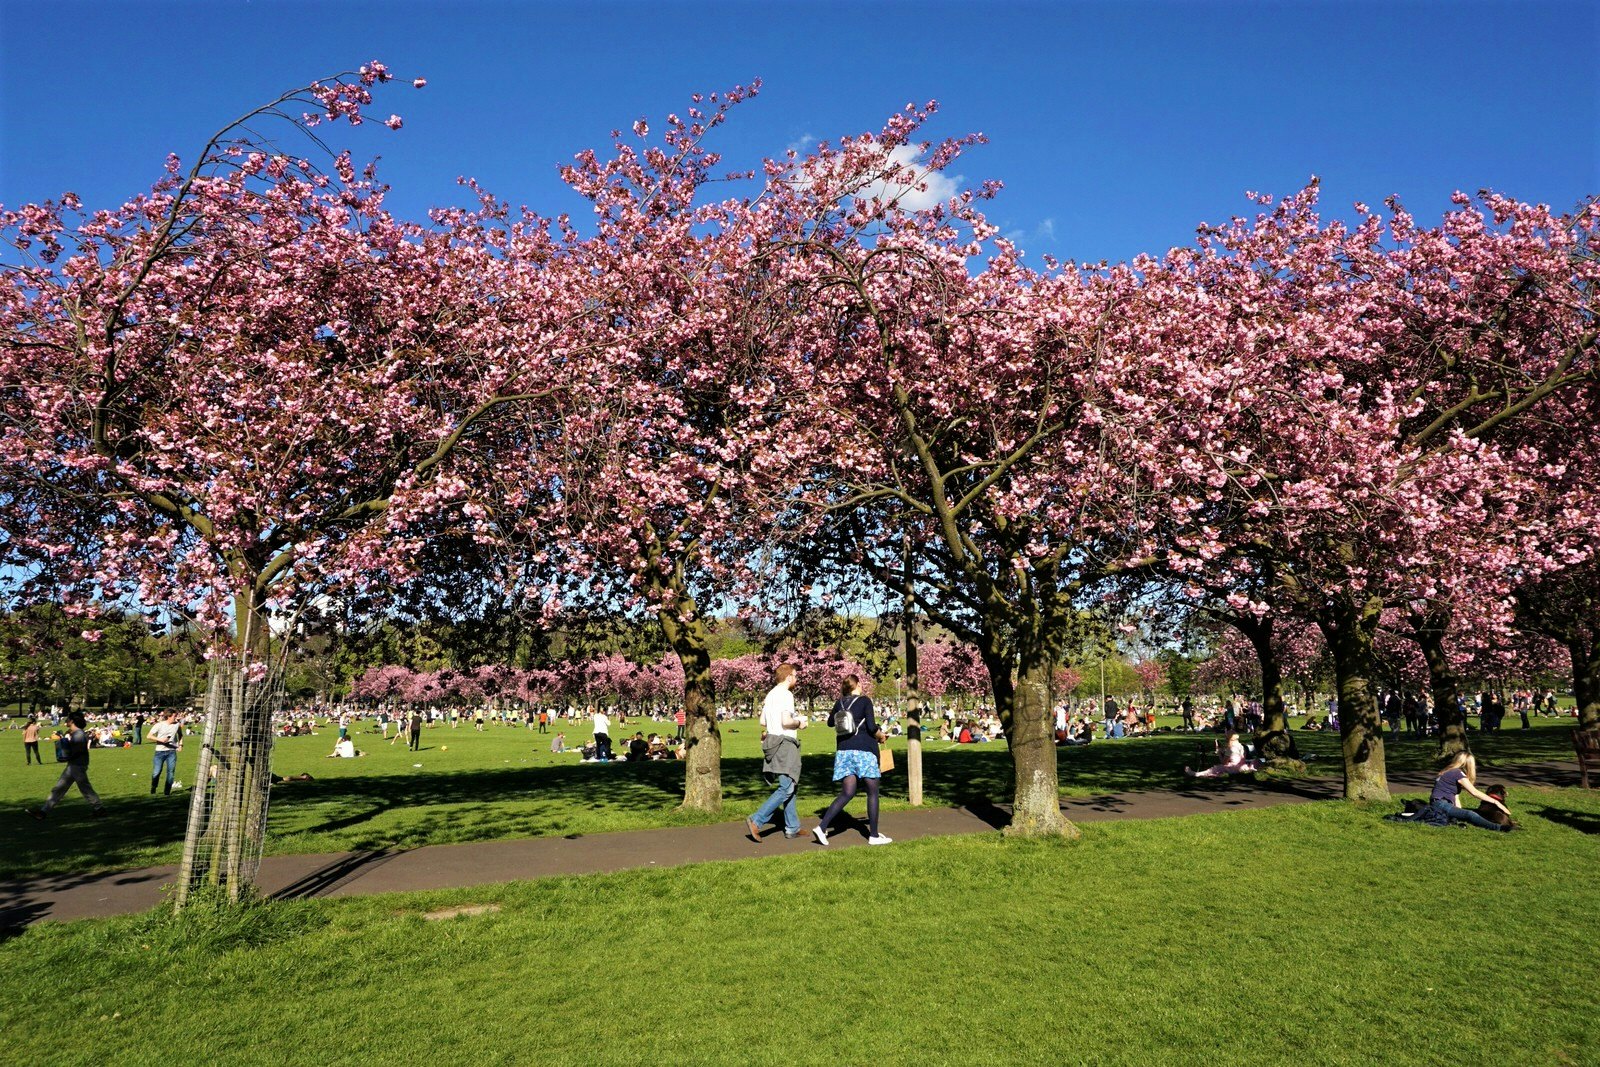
949 668
1152 675
965 411
385 682
661 482
1372 375
251 382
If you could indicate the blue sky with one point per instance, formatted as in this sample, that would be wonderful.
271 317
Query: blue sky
1116 128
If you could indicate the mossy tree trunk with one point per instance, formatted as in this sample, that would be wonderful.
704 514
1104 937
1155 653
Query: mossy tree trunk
1444 687
1586 681
1273 739
1022 702
689 639
1349 628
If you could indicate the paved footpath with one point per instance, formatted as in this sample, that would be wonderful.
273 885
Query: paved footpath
67 897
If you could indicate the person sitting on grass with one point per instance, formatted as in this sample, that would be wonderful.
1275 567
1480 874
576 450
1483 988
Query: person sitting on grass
558 743
638 748
1458 775
658 747
591 752
344 749
1230 760
1078 732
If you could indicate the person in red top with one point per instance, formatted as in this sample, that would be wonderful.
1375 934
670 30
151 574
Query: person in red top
681 720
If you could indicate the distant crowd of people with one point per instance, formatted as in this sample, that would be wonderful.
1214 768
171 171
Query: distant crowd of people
1075 723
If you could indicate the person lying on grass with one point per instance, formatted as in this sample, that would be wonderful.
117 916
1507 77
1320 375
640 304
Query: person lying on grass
1457 777
1230 760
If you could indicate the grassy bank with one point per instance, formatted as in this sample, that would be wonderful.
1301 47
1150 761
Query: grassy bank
1314 934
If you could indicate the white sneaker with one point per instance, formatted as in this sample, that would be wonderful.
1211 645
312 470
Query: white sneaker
820 834
880 839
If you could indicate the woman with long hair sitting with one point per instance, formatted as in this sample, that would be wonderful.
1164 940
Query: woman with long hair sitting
1458 776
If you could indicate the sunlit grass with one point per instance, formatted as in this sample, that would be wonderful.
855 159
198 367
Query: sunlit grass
1299 935
504 782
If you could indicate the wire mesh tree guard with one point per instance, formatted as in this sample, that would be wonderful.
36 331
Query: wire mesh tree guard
233 780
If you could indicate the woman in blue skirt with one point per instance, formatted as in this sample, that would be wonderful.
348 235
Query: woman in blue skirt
855 759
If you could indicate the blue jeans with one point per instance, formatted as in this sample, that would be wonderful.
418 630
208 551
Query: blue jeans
782 797
168 756
1455 814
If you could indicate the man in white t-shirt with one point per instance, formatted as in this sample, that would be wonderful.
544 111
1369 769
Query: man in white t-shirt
602 734
167 736
780 749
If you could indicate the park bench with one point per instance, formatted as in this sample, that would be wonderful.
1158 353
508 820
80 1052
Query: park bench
1587 745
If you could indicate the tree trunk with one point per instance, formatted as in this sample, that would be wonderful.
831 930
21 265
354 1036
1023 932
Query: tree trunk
227 815
702 787
1443 687
1024 711
198 801
1586 682
914 772
1273 740
1348 629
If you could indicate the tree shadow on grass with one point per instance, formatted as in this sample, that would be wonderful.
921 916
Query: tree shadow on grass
368 813
137 832
385 811
1582 821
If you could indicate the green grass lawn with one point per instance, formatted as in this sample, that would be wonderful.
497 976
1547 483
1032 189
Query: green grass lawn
504 782
1310 934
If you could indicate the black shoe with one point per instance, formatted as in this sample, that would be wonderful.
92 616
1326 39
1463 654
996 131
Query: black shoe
35 812
99 813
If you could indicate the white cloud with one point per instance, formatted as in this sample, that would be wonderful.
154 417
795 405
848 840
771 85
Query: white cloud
927 188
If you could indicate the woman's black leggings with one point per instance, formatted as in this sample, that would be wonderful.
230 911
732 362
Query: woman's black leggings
30 752
849 792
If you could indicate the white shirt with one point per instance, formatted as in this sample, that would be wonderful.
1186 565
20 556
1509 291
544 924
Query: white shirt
778 706
345 749
165 733
602 723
